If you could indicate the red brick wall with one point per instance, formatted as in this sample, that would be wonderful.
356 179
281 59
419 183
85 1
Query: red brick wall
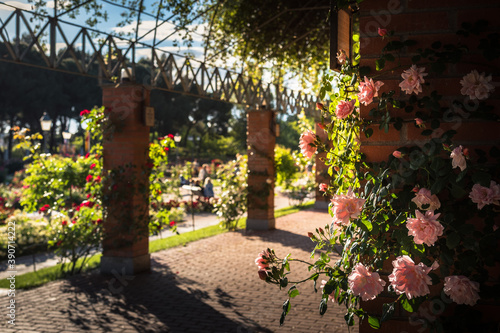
127 147
425 21
261 138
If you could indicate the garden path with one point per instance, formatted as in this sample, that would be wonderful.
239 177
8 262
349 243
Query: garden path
24 264
210 285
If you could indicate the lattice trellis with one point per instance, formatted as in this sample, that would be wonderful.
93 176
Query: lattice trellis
104 55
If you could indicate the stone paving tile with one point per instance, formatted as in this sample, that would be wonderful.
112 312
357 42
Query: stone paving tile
207 286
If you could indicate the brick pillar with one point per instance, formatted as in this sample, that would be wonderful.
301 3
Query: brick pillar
126 241
261 138
322 201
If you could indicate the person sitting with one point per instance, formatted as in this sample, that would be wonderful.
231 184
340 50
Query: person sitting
203 173
184 181
208 190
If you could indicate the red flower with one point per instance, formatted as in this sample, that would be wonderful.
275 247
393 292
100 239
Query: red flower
88 196
170 136
59 243
166 149
172 223
64 222
98 179
87 155
74 221
89 178
84 112
92 166
161 138
45 208
320 125
97 222
320 106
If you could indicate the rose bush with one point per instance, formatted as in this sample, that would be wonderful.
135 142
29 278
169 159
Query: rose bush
430 209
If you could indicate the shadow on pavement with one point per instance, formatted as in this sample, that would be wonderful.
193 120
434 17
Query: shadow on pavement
283 237
159 301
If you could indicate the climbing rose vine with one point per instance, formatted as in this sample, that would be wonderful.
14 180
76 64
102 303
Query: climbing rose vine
430 209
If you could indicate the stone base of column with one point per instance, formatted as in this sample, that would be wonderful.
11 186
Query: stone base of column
322 205
125 265
267 224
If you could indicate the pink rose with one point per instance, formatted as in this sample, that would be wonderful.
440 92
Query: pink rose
331 297
410 279
397 154
364 283
419 122
323 187
346 207
368 90
413 79
263 260
425 229
424 197
382 32
344 108
306 143
341 57
461 290
458 159
483 196
476 86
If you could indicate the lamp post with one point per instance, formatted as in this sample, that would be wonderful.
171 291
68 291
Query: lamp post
177 139
46 124
66 137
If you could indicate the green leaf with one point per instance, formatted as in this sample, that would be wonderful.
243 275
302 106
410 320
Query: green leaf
293 293
389 57
406 305
374 322
364 70
282 318
369 132
286 306
387 311
426 132
323 306
452 240
349 319
379 64
482 178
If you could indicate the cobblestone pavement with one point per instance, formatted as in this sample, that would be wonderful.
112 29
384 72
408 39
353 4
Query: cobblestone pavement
207 286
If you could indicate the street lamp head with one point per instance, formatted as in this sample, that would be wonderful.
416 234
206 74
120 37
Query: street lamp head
66 135
46 122
177 138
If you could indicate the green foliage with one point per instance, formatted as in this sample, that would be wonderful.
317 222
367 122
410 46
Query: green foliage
285 166
232 202
387 191
30 235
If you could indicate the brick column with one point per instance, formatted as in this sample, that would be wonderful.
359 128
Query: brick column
125 152
261 138
322 201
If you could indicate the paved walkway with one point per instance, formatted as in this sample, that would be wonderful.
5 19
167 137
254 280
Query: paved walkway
210 285
24 264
